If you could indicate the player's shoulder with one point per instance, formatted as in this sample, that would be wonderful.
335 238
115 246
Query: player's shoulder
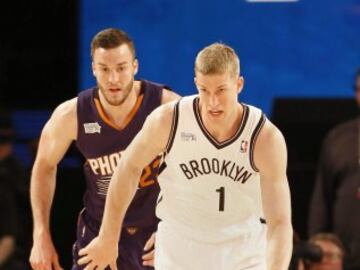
63 120
253 108
165 92
66 110
265 128
162 117
270 151
165 111
169 96
270 135
159 125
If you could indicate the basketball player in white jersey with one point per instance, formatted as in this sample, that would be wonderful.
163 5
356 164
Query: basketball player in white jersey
224 201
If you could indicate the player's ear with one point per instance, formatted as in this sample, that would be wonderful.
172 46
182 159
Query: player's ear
240 84
136 66
93 68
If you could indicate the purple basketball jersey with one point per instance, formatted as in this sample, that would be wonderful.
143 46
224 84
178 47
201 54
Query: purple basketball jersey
102 146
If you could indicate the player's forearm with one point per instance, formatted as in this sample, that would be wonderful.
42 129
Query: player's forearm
279 246
42 193
121 191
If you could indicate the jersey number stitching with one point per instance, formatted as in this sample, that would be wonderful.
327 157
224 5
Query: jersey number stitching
221 191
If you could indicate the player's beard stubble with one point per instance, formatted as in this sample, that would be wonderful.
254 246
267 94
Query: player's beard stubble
121 96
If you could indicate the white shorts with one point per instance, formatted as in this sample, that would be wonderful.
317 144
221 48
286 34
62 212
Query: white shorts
174 251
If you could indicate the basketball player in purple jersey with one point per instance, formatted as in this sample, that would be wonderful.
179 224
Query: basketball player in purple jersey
103 121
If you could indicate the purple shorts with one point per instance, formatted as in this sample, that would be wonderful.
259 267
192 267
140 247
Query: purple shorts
131 246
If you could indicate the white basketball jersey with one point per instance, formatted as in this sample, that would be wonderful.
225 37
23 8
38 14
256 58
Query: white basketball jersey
209 190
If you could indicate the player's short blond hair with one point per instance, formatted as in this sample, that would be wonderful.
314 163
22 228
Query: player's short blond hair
217 58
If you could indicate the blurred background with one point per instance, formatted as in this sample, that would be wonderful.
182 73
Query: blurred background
298 59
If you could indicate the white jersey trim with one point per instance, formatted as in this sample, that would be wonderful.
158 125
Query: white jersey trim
174 125
254 136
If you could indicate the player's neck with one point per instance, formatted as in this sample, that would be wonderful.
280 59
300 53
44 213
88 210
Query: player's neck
227 128
118 114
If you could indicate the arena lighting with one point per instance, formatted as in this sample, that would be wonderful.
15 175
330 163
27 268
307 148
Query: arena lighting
272 1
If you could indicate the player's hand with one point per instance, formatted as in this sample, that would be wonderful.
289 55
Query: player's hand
148 258
98 254
43 254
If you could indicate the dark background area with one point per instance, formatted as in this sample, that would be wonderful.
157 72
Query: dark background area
39 69
304 123
38 53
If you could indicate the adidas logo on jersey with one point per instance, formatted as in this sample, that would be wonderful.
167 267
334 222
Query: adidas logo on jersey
91 128
187 136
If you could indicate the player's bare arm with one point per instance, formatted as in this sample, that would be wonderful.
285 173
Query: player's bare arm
148 258
270 157
149 142
56 137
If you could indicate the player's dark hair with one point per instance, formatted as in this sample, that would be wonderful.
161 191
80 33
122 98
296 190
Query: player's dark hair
111 38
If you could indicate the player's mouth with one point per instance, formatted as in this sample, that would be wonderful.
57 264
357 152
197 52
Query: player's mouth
215 113
114 90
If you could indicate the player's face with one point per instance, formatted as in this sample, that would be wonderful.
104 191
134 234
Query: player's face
218 94
114 70
332 257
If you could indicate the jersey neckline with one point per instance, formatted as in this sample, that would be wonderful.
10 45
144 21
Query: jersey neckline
208 135
103 116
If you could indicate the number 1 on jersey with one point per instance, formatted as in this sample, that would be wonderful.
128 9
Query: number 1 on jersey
221 191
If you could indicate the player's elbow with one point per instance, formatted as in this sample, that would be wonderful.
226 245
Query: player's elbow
282 224
129 169
134 169
42 167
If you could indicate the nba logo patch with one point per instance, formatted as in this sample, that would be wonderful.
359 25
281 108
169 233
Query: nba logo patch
186 136
244 146
91 128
